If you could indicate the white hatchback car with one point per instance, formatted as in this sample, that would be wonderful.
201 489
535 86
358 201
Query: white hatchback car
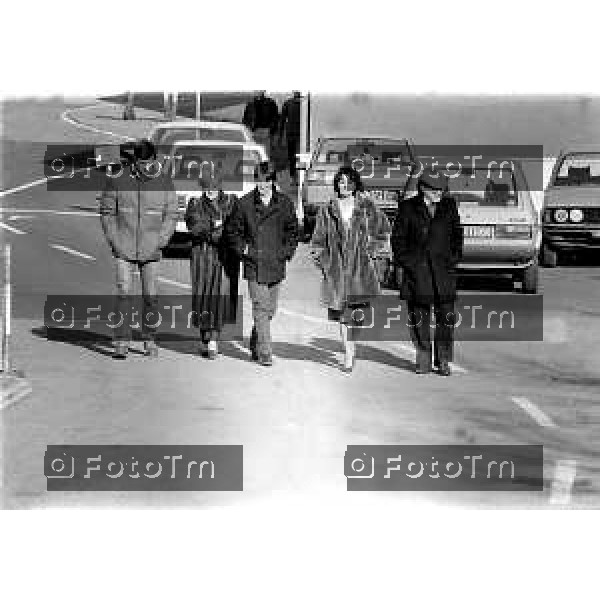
166 134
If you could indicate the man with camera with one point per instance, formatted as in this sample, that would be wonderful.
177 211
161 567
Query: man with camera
139 212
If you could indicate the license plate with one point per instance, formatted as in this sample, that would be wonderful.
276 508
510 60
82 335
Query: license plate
181 226
479 231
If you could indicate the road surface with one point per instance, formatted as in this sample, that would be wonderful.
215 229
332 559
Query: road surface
294 419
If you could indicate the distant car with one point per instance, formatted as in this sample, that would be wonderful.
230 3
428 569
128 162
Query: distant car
571 211
501 226
384 166
233 163
166 134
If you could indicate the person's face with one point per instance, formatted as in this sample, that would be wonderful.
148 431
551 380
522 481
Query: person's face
265 188
432 196
346 187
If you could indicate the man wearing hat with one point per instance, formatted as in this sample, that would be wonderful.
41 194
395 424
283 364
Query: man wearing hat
139 212
262 230
427 242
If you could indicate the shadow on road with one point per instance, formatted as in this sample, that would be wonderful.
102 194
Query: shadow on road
364 352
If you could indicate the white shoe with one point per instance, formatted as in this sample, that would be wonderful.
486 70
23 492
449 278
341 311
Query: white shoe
213 350
349 357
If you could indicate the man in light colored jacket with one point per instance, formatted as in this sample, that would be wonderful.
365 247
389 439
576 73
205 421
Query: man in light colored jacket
138 212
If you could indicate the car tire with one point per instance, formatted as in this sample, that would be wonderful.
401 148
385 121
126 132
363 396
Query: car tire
549 257
530 279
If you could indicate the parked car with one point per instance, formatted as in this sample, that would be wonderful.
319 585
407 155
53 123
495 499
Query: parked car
233 163
571 211
501 226
166 134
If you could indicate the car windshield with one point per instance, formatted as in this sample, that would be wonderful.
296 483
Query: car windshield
484 187
579 168
379 151
166 137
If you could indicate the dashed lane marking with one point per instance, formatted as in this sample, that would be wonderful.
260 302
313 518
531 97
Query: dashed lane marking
185 286
30 212
20 188
14 393
562 483
71 251
540 417
12 229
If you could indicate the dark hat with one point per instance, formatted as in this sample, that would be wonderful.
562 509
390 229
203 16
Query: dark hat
144 150
434 180
265 171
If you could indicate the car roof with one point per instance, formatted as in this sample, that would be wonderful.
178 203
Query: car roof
205 124
580 148
212 143
363 137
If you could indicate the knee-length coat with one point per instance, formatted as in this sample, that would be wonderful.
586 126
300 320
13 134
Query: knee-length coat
344 252
214 270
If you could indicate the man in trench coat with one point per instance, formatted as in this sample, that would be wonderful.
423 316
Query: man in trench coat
427 242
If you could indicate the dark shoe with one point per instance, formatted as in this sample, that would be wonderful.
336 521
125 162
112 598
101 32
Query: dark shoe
120 352
423 369
444 369
150 349
265 360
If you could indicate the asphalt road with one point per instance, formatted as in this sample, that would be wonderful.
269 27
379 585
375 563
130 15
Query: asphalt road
296 418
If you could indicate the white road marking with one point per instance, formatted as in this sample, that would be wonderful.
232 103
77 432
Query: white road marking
540 417
20 217
71 251
9 228
47 211
20 188
18 392
185 286
562 483
65 116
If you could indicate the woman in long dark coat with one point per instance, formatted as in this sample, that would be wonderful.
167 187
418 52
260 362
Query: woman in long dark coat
349 231
214 271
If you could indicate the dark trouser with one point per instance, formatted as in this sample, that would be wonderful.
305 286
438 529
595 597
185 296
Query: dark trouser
127 303
293 148
264 305
419 328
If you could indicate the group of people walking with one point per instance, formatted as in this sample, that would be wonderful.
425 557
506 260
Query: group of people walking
260 232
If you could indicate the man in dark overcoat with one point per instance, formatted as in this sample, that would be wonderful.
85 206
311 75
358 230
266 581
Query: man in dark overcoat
427 242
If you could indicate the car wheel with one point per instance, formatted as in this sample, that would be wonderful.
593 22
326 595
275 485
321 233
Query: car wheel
549 257
530 280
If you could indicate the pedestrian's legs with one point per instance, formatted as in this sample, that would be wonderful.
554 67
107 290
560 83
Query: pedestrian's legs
124 284
445 318
419 317
293 147
148 275
264 305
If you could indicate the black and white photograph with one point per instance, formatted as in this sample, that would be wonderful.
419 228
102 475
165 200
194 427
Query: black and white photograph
272 296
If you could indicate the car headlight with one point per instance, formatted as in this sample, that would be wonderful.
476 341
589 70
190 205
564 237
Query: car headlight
576 215
561 215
